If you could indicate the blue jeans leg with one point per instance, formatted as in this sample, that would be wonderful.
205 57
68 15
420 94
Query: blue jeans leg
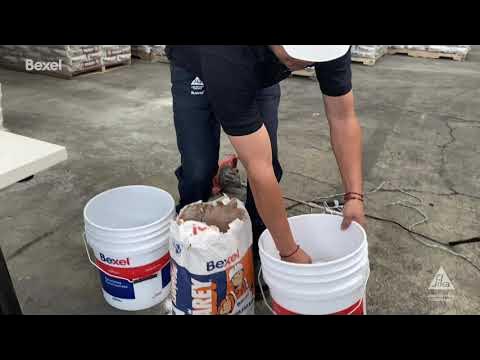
198 138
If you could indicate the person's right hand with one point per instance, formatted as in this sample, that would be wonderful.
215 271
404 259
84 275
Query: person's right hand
300 257
291 63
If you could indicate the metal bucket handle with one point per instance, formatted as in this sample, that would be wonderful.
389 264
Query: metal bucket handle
98 267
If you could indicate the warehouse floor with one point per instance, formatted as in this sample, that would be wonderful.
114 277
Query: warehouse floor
421 131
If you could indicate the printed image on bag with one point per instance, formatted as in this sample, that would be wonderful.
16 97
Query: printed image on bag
212 260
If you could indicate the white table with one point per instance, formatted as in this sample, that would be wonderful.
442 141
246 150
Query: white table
21 157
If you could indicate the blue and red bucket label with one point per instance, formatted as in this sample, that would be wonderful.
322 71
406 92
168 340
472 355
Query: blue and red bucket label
118 288
120 282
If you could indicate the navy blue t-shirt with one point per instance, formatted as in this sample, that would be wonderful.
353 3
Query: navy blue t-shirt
233 74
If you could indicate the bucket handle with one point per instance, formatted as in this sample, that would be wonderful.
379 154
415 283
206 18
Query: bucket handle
360 303
98 267
263 294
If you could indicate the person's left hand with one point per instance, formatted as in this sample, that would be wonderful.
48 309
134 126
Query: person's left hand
353 210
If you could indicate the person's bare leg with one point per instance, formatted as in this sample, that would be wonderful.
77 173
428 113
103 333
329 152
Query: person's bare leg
254 151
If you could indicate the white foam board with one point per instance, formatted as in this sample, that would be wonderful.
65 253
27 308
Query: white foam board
21 157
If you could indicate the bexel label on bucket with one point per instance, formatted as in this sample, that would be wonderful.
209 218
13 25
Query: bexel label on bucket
115 262
124 289
117 287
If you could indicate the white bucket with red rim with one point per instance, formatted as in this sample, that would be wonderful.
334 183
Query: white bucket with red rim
128 231
334 283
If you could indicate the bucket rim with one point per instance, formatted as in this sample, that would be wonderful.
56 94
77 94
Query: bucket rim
120 230
147 228
339 292
124 242
132 250
127 235
324 278
313 272
323 264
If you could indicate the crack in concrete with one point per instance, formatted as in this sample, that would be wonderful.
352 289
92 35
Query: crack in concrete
39 238
443 159
443 172
457 119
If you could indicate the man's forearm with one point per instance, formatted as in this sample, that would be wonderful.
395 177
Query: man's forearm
346 139
270 206
254 151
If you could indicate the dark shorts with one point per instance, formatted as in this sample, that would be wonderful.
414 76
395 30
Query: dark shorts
233 75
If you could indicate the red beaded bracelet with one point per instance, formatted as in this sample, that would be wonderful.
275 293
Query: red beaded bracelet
354 193
352 197
293 253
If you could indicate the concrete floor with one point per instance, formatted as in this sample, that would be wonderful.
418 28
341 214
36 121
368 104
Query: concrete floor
421 131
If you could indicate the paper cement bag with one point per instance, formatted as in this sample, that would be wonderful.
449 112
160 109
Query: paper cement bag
212 265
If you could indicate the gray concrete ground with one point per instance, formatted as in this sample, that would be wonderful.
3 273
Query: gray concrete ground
421 131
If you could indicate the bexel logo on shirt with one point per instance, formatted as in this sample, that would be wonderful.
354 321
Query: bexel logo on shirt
197 87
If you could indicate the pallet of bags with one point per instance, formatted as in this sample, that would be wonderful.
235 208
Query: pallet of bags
113 55
71 59
368 54
141 51
454 52
151 53
365 54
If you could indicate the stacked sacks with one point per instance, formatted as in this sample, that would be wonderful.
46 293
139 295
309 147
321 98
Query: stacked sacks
447 49
455 49
74 58
412 47
368 51
143 51
115 54
158 50
140 50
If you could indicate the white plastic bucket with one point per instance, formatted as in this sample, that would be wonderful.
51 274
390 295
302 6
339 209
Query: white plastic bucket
128 231
334 284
